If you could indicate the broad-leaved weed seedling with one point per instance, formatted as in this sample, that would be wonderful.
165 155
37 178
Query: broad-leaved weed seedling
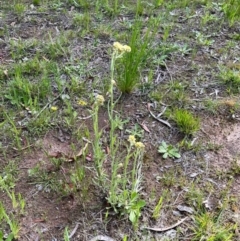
168 150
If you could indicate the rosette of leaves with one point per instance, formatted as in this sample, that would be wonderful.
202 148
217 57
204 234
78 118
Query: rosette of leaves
168 151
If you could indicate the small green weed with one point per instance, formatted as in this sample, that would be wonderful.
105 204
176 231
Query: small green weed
231 78
211 105
36 2
157 209
136 131
169 178
195 197
81 3
22 92
12 223
66 234
14 131
203 39
20 49
56 48
82 20
168 150
18 205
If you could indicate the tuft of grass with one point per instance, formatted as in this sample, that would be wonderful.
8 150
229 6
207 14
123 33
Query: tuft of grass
157 209
22 91
36 2
82 20
187 123
208 227
129 69
56 48
231 9
194 197
19 9
231 78
21 49
7 183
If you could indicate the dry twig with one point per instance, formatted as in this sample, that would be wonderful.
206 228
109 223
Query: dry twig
157 117
169 227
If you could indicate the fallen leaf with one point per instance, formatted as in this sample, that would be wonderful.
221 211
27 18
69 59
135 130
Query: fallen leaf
107 150
82 150
89 157
144 127
56 154
194 174
185 209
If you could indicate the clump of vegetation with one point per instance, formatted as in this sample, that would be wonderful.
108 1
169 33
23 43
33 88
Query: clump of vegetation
168 150
231 78
187 123
208 227
131 64
124 185
55 81
232 10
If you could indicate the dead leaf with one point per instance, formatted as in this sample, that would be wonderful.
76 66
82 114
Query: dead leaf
46 59
56 154
89 157
167 228
82 150
185 209
149 106
144 127
107 150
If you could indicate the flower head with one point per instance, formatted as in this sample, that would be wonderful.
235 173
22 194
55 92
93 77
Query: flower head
139 145
113 82
99 100
120 165
82 102
54 108
132 140
121 48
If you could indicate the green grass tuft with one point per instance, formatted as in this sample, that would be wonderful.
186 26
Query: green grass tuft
187 123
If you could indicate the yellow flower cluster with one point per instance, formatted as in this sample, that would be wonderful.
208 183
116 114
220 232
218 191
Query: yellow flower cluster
99 100
132 140
54 108
121 48
138 145
82 102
